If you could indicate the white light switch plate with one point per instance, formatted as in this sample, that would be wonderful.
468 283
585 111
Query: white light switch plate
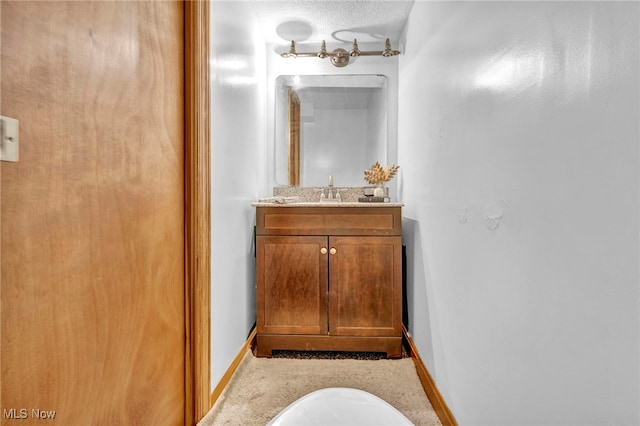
9 139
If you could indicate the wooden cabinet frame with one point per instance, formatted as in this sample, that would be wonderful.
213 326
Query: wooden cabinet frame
299 274
329 278
365 275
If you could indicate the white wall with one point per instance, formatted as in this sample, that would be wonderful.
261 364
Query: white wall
238 174
526 112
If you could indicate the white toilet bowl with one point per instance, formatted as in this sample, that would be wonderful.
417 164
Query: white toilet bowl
339 406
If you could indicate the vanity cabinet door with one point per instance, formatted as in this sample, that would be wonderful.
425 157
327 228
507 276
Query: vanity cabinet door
292 284
365 286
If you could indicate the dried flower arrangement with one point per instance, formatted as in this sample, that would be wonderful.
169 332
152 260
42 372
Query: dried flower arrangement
378 174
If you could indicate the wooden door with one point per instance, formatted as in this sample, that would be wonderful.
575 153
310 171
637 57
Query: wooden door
365 286
292 277
92 247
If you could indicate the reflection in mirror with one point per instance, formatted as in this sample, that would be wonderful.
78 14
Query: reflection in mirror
329 125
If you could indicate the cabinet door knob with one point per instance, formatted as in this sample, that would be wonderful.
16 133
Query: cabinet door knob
333 250
323 250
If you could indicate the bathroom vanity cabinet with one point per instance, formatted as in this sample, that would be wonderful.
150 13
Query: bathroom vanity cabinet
329 278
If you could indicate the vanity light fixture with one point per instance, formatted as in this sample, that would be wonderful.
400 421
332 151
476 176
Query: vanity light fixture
340 57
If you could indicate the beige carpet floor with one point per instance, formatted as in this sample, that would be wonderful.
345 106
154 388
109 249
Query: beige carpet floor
261 387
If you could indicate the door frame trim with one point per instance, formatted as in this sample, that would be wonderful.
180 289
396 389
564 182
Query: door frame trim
197 210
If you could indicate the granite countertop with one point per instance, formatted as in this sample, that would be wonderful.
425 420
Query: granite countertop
328 204
295 196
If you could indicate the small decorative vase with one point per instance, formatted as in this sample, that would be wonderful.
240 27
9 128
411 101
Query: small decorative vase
379 190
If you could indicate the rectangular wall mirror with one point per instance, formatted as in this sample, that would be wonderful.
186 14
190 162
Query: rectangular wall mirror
329 125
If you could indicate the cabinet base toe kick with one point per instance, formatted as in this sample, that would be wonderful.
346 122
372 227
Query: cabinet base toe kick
266 343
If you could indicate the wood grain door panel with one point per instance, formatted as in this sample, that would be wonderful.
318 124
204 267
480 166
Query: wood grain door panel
292 285
365 274
92 217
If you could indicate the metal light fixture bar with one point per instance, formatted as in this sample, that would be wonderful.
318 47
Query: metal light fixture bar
340 57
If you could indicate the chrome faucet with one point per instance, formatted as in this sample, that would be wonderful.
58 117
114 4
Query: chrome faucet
329 193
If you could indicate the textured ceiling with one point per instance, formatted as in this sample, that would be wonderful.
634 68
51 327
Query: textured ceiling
332 20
